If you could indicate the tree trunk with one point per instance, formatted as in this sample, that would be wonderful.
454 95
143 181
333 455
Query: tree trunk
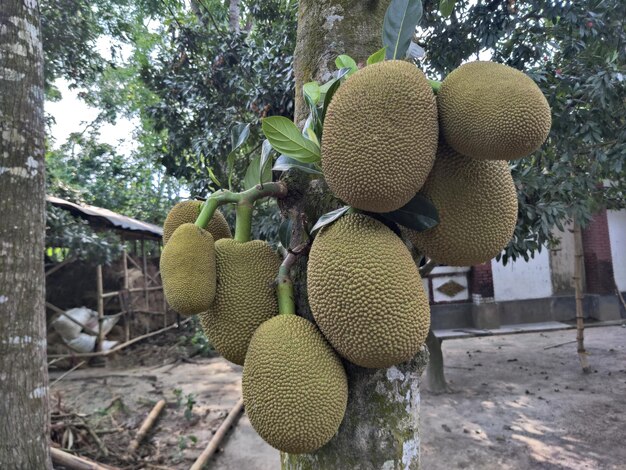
578 289
435 377
381 426
23 366
233 15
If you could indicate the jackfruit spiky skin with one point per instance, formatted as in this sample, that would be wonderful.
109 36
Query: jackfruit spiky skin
491 111
294 385
245 296
477 205
188 270
366 294
380 136
187 212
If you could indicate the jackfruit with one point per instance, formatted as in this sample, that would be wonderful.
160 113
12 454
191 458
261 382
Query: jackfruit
188 270
187 212
366 294
245 296
492 111
294 385
380 136
477 205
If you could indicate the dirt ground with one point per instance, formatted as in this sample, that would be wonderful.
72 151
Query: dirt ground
515 405
520 403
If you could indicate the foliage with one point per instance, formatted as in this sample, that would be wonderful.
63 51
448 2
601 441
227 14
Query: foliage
86 171
69 236
209 77
574 51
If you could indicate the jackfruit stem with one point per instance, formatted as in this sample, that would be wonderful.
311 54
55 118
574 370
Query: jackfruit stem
284 287
246 198
208 209
243 221
435 85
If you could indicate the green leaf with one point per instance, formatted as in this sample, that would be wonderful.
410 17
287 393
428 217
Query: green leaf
284 232
415 51
312 91
286 138
446 7
329 218
284 163
418 214
401 19
328 97
238 135
266 154
345 61
377 56
254 175
214 178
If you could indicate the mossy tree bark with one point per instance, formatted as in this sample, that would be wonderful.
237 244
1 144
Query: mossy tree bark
23 366
381 426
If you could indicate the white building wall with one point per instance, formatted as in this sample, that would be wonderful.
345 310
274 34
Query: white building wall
562 261
522 280
617 235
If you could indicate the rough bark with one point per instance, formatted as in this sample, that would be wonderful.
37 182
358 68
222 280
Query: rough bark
381 426
328 28
23 371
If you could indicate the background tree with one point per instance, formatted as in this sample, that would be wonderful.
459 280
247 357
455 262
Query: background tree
24 376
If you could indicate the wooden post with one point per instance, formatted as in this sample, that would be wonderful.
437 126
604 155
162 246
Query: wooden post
146 426
127 307
578 287
100 288
145 279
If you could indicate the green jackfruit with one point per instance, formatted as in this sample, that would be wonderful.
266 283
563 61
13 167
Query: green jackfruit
188 270
492 111
294 386
366 294
187 212
380 136
245 296
477 205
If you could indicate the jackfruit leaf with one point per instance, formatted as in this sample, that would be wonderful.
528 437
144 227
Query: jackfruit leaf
284 163
345 61
286 138
415 51
266 154
341 73
446 7
401 19
418 214
328 97
311 135
238 135
214 178
329 218
312 122
312 91
377 56
284 232
255 174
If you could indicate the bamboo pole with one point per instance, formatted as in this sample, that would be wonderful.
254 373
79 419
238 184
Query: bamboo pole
58 266
73 462
214 443
146 426
126 286
578 287
100 289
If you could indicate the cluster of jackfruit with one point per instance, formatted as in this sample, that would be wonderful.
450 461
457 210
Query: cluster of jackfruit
387 137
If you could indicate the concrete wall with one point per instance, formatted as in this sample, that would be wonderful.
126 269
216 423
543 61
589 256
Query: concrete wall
562 262
617 234
522 280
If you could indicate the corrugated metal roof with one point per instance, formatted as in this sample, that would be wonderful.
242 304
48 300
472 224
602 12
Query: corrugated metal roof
108 218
